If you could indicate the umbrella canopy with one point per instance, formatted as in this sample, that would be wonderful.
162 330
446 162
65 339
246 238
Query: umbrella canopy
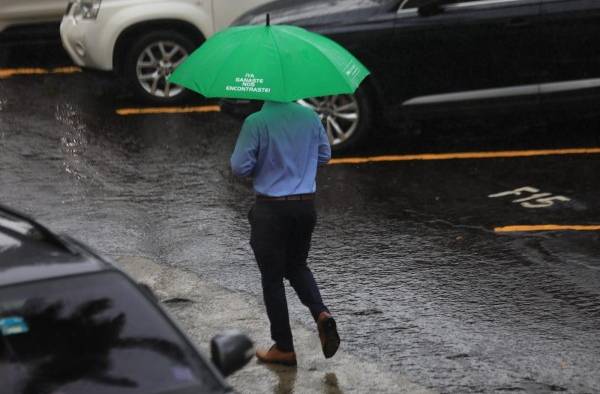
276 63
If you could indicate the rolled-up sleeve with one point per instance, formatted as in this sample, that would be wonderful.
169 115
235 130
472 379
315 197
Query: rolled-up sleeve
243 159
324 147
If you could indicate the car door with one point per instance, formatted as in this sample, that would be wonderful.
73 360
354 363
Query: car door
472 54
571 55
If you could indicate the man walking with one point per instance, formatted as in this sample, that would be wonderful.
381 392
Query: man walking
280 147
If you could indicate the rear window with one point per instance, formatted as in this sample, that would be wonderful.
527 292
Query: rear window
93 334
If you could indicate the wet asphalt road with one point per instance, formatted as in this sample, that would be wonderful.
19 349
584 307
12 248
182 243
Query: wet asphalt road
405 252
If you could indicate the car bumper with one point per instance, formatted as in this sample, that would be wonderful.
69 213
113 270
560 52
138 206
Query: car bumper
85 53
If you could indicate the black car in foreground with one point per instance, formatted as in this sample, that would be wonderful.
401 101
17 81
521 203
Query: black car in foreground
434 59
71 323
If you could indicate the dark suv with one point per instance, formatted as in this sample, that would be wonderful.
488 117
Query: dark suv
453 58
70 322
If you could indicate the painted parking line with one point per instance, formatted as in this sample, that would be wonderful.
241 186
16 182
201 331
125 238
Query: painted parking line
546 227
466 155
12 72
167 110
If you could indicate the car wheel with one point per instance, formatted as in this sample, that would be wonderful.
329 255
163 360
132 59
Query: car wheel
152 59
346 118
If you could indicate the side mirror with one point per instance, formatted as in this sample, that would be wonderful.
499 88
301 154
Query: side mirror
148 290
230 351
430 7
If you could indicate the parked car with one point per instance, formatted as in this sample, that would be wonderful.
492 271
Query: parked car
30 20
434 59
144 40
71 322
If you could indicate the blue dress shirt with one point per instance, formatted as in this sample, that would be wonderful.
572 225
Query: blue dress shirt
281 146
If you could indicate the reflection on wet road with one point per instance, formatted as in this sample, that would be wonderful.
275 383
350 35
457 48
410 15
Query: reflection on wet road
405 252
286 381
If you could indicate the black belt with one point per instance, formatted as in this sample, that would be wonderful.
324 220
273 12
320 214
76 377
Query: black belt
291 197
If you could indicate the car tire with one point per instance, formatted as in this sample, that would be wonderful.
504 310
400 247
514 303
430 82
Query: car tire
151 59
346 118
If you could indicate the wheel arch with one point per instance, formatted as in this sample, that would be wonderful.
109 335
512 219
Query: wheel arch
131 33
374 93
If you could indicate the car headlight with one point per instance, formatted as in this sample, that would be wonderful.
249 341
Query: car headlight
86 9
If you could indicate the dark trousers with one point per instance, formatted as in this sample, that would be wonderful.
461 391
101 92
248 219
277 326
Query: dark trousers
280 238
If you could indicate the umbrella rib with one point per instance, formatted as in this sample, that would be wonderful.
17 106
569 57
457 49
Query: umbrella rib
280 63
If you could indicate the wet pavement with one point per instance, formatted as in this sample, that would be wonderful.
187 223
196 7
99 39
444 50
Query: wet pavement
406 252
191 301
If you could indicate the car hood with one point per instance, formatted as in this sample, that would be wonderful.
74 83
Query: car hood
317 14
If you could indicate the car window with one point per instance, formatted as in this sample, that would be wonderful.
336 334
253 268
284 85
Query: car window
93 334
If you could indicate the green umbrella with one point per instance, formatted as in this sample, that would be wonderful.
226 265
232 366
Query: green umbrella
277 63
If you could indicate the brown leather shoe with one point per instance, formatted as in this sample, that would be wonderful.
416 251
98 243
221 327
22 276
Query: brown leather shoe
276 356
330 340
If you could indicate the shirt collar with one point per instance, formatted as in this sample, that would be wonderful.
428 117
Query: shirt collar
273 104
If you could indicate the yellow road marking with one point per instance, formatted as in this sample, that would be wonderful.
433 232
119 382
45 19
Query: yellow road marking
466 155
547 227
167 110
11 72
